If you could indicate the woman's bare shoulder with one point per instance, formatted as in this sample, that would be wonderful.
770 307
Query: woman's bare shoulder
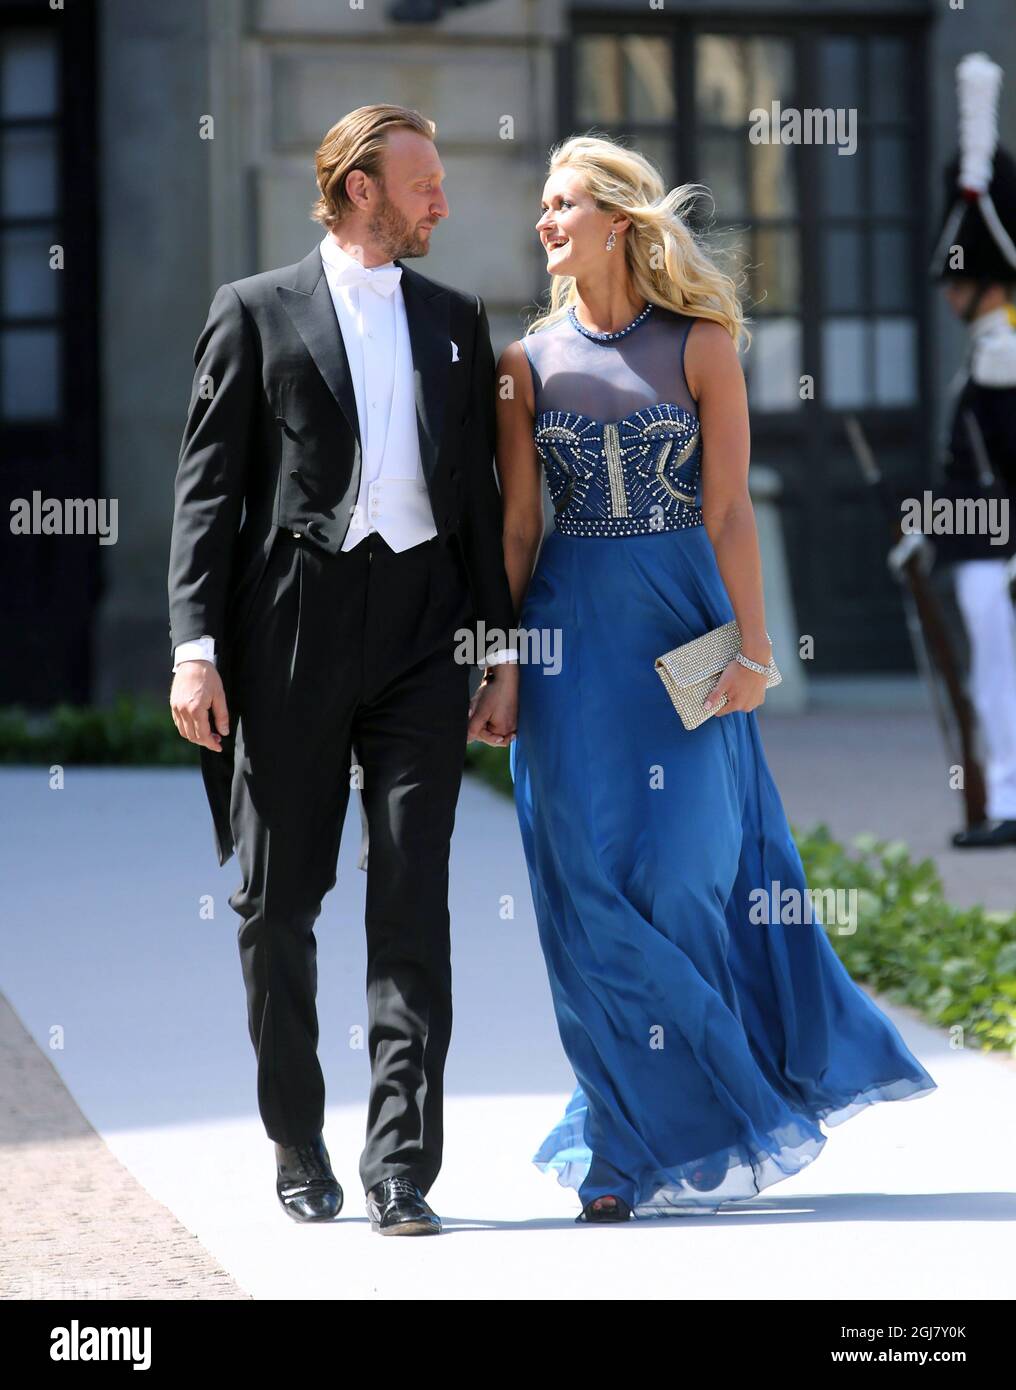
513 365
709 355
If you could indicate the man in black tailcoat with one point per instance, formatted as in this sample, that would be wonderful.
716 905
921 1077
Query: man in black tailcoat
337 526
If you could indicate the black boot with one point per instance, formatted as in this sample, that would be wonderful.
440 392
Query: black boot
396 1208
306 1185
989 834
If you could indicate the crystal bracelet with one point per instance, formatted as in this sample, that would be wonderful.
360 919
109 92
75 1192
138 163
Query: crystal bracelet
754 665
751 665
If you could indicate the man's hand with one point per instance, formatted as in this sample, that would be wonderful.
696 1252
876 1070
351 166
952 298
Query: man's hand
197 688
493 711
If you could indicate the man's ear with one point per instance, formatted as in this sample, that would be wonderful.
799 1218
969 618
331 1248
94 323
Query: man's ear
357 187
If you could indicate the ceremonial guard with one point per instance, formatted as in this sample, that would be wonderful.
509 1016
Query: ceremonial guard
975 261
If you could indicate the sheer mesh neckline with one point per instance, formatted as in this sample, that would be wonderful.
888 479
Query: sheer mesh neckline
611 381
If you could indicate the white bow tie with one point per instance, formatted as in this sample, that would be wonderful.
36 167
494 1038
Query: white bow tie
383 279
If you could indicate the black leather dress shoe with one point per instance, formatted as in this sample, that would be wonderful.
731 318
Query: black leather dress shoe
989 834
396 1208
306 1184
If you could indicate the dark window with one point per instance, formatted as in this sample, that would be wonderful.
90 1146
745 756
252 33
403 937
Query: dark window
48 299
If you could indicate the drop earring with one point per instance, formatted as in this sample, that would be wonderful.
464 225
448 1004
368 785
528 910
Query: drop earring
611 240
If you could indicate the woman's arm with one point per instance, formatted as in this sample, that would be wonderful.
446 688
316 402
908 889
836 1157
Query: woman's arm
715 379
493 712
518 468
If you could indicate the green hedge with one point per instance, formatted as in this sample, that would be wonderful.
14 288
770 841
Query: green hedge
134 730
139 730
956 966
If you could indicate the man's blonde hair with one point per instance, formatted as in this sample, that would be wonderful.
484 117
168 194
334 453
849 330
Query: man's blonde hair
358 142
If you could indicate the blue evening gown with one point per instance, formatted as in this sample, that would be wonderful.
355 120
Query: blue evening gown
706 1047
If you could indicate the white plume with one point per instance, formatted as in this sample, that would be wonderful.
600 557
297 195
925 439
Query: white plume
978 82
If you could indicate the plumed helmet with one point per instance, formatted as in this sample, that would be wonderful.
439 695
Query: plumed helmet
978 235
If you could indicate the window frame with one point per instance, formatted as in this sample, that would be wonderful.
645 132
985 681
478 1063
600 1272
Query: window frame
804 32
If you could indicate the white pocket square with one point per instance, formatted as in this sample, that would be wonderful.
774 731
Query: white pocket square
455 350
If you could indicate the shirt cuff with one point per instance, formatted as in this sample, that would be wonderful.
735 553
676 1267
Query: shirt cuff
499 658
202 649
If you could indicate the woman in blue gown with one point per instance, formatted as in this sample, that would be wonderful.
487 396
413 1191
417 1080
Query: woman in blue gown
707 1045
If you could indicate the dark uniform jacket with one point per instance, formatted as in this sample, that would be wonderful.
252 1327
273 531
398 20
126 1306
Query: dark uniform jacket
982 441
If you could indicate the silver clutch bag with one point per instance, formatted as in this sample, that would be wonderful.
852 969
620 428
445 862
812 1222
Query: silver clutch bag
689 672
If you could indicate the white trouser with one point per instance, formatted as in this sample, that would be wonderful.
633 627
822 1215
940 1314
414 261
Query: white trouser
983 596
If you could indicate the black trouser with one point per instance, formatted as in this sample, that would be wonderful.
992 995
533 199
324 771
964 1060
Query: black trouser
351 655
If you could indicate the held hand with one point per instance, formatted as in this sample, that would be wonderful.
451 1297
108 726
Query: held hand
744 689
493 711
197 688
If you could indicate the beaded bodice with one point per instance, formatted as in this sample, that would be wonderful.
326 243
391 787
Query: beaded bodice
615 426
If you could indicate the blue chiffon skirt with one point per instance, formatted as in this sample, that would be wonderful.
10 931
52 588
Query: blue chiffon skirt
707 1046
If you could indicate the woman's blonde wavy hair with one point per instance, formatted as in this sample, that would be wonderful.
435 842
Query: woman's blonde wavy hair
668 263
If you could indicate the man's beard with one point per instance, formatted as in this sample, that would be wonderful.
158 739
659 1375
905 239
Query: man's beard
395 233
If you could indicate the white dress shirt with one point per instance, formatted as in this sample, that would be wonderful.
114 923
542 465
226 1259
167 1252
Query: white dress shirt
392 498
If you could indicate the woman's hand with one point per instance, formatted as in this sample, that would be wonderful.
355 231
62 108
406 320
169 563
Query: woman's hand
744 689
